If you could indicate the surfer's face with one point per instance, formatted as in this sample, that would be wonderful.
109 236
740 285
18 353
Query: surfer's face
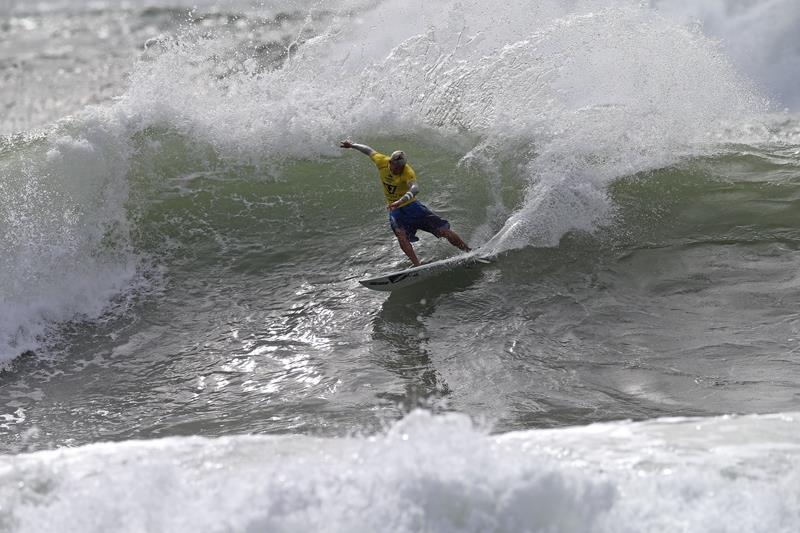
396 166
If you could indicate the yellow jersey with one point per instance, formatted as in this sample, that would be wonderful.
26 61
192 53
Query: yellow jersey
394 187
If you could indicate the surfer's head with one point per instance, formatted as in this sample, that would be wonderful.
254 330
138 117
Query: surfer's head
397 161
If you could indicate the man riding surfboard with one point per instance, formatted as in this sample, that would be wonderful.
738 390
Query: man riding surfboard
406 213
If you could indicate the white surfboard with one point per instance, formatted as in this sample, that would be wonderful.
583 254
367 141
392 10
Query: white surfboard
403 278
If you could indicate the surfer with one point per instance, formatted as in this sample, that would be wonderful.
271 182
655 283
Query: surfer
406 213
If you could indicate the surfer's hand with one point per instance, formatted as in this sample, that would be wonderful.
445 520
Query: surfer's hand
392 206
346 144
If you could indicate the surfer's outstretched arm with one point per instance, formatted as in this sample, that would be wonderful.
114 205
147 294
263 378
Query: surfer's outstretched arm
363 148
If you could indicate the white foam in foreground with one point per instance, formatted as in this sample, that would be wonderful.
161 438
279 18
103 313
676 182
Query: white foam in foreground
426 473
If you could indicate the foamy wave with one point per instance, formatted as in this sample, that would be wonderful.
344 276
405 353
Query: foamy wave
580 94
425 474
759 37
65 230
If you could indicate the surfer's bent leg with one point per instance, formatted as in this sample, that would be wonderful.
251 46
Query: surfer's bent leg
454 239
405 245
429 221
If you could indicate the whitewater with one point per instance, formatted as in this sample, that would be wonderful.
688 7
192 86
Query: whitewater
183 340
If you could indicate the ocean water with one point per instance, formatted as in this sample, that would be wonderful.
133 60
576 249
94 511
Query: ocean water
183 339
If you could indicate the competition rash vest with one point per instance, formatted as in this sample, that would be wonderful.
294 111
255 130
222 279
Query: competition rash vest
394 187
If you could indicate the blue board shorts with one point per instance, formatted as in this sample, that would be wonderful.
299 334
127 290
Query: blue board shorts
415 216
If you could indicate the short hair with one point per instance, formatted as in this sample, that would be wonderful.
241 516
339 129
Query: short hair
399 157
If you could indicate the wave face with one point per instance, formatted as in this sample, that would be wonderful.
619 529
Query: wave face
594 92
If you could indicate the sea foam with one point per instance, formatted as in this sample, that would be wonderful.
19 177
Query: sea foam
425 473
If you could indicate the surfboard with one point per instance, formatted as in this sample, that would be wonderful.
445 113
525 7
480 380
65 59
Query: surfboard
403 278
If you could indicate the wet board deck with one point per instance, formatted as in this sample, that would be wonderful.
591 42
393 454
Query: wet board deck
403 278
